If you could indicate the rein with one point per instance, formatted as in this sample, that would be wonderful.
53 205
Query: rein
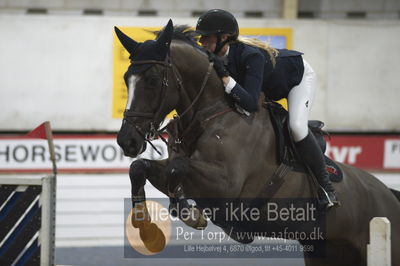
158 132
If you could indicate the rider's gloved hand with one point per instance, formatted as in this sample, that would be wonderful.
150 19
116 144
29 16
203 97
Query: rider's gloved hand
218 65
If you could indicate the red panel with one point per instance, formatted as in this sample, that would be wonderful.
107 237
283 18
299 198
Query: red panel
366 152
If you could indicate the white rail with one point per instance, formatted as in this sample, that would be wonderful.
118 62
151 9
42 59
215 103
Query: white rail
379 247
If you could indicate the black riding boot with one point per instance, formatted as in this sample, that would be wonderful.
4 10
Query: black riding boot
312 155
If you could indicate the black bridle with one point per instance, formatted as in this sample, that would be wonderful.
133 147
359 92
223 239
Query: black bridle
154 131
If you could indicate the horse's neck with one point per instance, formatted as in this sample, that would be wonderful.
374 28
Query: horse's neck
193 68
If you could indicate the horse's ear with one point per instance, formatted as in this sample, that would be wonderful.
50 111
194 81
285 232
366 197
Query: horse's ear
166 36
127 42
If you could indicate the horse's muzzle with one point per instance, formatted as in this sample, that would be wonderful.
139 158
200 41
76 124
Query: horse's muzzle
130 141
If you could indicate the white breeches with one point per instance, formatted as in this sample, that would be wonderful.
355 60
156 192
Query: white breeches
300 100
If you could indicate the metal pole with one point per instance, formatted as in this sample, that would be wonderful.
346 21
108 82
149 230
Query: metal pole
47 231
49 137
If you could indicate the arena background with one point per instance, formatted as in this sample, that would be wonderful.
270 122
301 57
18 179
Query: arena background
57 63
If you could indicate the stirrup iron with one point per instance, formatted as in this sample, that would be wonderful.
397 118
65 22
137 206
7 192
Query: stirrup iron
330 202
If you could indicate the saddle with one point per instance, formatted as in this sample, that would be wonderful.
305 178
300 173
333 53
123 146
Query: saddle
285 148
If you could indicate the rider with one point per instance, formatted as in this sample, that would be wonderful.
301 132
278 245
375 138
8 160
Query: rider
248 66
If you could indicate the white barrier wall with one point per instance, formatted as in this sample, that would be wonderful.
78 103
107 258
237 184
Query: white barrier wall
90 208
59 68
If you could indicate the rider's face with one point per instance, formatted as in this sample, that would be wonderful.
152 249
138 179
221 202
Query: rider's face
209 42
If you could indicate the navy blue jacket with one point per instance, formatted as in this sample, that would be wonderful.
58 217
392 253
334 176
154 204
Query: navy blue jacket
252 69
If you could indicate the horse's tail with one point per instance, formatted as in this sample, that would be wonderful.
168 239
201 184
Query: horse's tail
396 193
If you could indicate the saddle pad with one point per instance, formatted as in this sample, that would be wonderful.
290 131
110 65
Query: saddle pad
335 173
284 143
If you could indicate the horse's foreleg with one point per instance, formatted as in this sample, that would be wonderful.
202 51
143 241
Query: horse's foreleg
137 175
166 176
177 169
142 170
152 237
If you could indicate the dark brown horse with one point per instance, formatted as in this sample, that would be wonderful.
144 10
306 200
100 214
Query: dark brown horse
221 153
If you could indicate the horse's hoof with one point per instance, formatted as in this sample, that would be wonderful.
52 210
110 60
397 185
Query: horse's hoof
195 219
153 238
147 233
139 223
173 209
140 216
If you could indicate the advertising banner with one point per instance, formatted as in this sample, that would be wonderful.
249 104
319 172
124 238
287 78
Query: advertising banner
101 153
74 153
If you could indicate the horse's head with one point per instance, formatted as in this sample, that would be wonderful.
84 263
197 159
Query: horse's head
150 95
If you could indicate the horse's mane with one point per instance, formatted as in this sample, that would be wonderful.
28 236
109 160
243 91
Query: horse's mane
184 33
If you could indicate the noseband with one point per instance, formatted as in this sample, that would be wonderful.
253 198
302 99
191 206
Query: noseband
155 132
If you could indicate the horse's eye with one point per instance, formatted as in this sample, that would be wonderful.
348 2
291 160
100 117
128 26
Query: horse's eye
152 80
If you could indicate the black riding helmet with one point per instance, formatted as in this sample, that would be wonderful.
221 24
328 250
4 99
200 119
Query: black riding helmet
218 21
